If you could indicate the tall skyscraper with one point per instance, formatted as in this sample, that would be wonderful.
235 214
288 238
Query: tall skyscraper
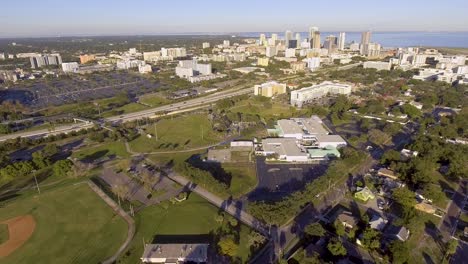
316 40
311 33
262 39
298 38
287 37
274 37
330 43
341 41
365 40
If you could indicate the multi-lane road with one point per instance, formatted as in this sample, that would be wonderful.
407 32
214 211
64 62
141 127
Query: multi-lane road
175 108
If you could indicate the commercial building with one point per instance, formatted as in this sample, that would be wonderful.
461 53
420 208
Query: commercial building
70 66
45 60
270 89
365 40
312 63
87 58
330 43
298 66
226 43
378 65
128 64
145 69
262 40
301 140
175 253
373 50
263 62
173 52
8 76
312 31
290 53
270 51
316 44
205 45
288 35
309 94
94 68
341 41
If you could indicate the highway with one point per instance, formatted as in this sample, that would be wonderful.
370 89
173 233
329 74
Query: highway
180 107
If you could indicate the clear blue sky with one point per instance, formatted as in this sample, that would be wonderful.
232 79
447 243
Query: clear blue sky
107 17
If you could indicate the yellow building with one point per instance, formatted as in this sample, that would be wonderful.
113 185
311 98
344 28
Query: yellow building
298 66
263 62
270 89
87 58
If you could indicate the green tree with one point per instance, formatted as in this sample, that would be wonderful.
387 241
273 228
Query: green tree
62 167
406 199
336 248
400 252
314 230
228 246
411 111
378 137
255 239
50 150
39 160
451 247
339 228
370 238
390 156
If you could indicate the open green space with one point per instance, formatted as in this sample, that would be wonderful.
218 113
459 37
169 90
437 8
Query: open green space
195 216
128 108
185 132
244 178
4 235
107 149
73 225
273 109
153 100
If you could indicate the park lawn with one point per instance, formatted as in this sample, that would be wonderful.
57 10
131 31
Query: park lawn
253 107
4 235
244 178
185 132
73 225
153 100
195 216
102 150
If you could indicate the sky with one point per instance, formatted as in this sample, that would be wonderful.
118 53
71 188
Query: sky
32 18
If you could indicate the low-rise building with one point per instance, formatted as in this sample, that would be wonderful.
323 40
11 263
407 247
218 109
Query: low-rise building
145 69
270 89
309 94
298 66
85 58
378 65
175 253
347 220
70 66
287 149
263 62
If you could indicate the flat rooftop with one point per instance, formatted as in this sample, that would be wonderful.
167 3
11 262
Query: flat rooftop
175 251
330 138
305 126
283 146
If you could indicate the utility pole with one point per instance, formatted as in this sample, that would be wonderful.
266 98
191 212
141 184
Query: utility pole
201 132
155 130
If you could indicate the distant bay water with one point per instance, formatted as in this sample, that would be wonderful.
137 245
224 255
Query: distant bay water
393 39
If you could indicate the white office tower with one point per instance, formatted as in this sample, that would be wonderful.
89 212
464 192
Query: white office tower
305 44
226 43
365 40
373 50
262 39
270 51
274 37
298 38
341 41
206 45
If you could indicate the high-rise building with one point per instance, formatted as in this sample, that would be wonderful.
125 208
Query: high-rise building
316 40
270 51
287 37
262 39
341 40
205 45
312 31
274 37
298 38
365 40
45 60
330 43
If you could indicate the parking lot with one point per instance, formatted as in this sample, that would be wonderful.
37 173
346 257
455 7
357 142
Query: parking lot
77 88
278 180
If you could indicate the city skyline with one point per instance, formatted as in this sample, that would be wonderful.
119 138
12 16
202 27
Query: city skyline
181 17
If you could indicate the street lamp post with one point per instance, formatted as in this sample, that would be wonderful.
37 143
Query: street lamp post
37 184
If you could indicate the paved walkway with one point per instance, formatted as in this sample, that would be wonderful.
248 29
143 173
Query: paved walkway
123 214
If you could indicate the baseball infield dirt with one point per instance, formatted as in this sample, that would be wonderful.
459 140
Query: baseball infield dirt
20 230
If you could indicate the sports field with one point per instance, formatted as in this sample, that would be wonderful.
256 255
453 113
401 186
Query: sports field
72 225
